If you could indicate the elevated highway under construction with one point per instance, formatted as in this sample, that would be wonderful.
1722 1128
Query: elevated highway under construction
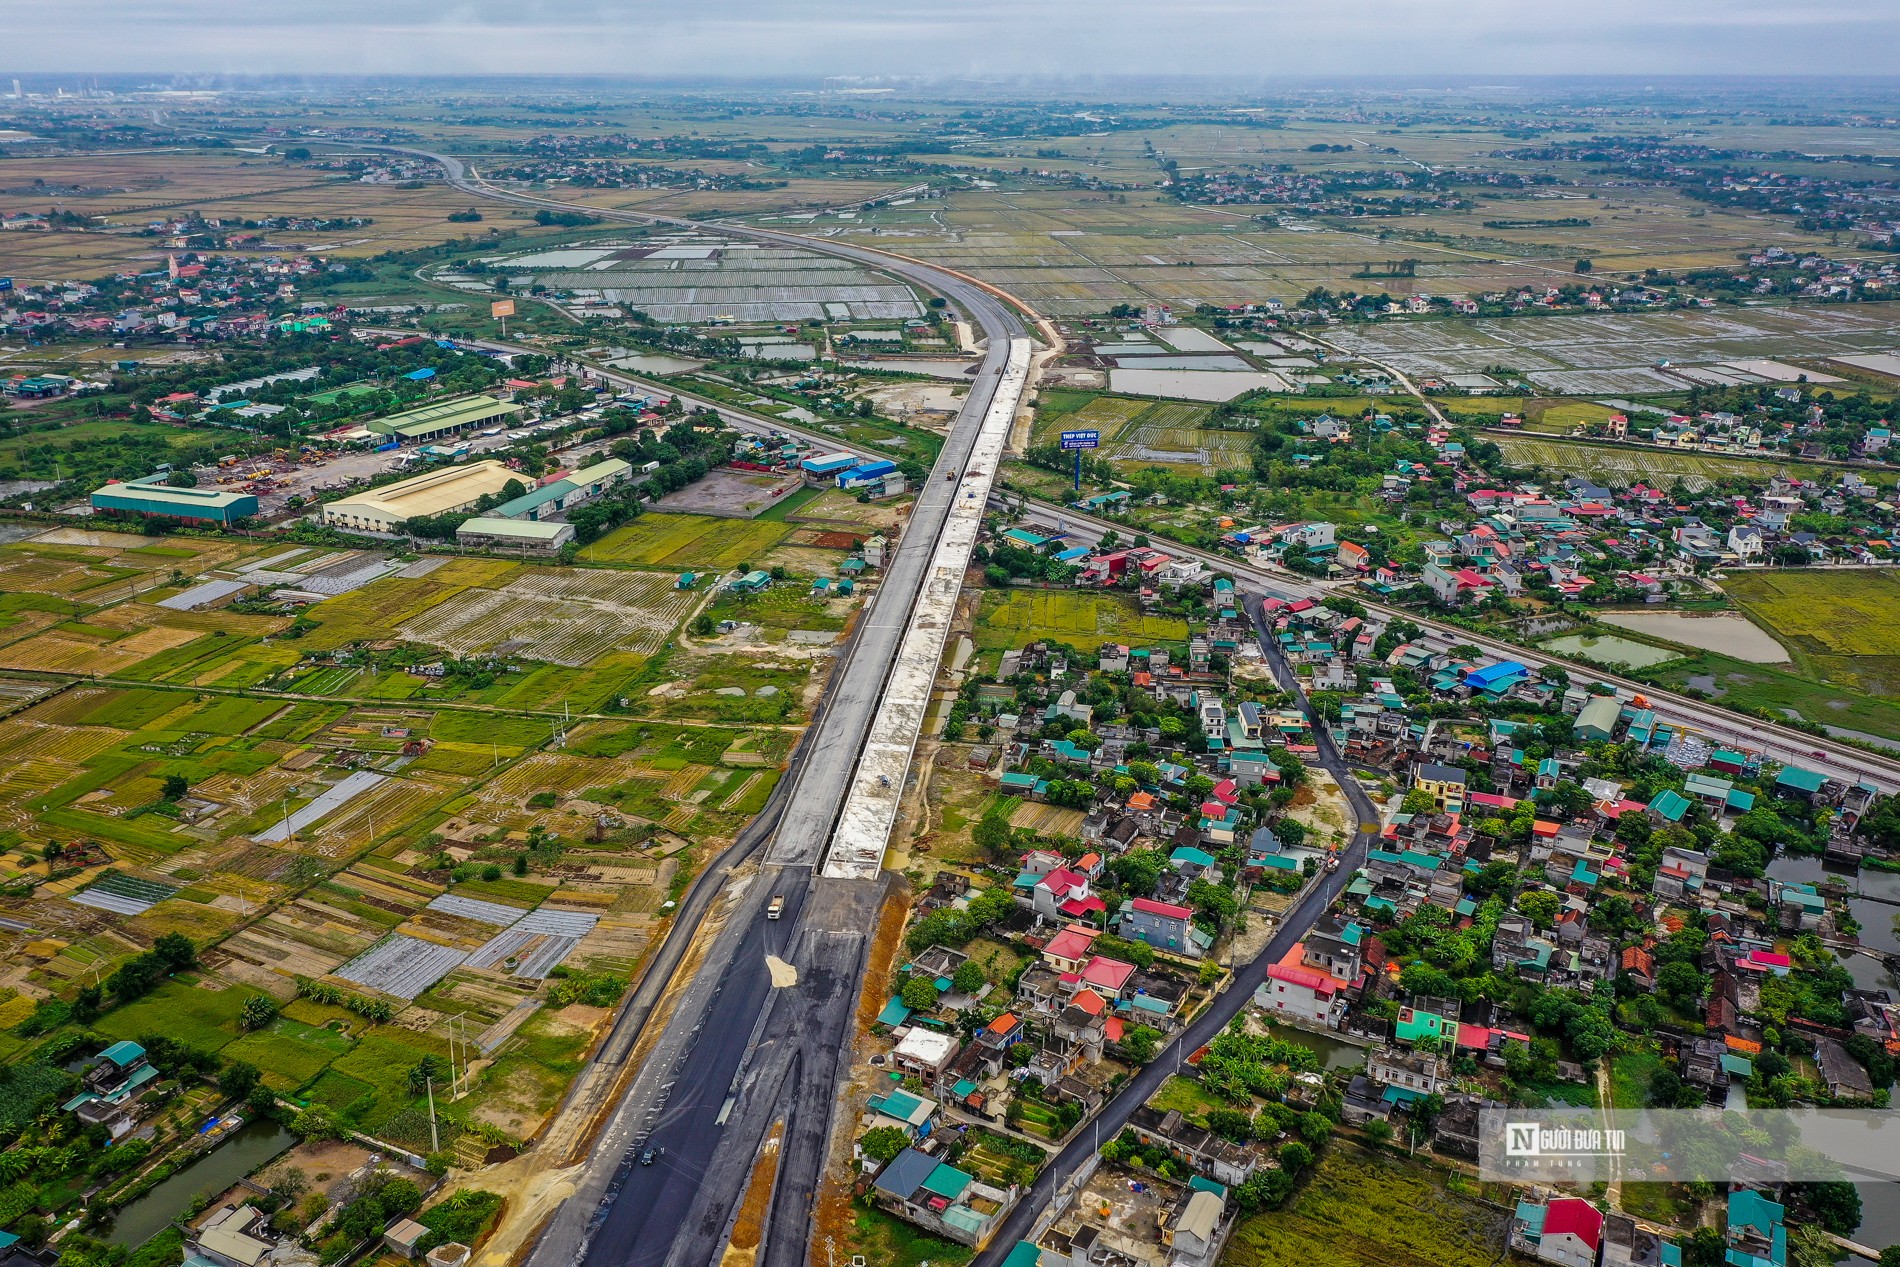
755 1039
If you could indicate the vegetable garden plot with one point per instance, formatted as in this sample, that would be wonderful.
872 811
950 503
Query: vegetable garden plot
402 966
330 800
124 894
536 944
474 908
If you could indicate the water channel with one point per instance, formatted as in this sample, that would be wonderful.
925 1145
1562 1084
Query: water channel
254 1144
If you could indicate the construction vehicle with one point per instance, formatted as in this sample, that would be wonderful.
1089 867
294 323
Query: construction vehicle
777 907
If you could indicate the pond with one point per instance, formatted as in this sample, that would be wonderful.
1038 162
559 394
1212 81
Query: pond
1610 649
1874 896
1335 1053
254 1144
656 363
1724 632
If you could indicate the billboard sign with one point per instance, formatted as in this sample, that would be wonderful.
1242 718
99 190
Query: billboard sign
1081 439
502 308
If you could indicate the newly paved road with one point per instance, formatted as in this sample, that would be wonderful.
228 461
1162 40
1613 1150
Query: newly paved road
1052 1186
738 1053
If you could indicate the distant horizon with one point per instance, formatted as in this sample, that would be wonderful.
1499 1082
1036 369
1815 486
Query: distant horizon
979 40
1126 88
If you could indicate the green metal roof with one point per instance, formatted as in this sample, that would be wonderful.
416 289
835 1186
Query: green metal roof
947 1181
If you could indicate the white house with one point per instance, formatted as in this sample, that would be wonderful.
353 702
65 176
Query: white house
1745 541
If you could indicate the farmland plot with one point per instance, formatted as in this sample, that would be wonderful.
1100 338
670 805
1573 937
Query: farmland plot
692 541
1621 466
562 618
1017 617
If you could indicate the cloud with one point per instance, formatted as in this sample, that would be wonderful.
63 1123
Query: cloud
747 38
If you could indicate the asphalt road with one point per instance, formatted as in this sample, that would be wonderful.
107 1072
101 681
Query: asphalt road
773 1052
1050 1187
1711 721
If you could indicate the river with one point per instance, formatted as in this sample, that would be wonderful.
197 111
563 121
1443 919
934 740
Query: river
254 1144
1879 1202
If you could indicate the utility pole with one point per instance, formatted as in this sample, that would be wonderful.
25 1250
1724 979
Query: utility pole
435 1139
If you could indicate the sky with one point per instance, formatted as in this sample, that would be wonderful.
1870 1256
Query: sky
961 38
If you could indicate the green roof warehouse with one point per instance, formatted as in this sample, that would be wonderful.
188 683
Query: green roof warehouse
151 495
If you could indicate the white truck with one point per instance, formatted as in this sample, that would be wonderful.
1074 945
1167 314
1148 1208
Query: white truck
777 906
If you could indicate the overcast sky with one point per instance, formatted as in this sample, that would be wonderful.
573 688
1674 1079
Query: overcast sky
961 37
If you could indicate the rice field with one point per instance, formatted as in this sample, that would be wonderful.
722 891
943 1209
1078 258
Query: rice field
1620 466
1828 612
565 618
1012 618
661 540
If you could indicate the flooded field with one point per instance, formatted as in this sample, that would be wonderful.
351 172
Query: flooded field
1192 384
1729 633
1610 649
657 363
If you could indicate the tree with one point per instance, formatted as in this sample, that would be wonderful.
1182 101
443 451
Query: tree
919 994
1140 1042
1585 266
1681 984
1295 1157
1835 1206
969 978
1266 1190
427 1071
258 1011
1138 870
1212 904
1230 1124
1539 907
317 1122
1704 1247
991 835
1417 801
1810 1246
1380 1133
882 1143
238 1078
1741 856
176 785
521 864
175 952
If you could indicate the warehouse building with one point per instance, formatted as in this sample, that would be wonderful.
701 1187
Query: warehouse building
153 496
867 474
824 469
441 418
488 532
569 491
439 492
